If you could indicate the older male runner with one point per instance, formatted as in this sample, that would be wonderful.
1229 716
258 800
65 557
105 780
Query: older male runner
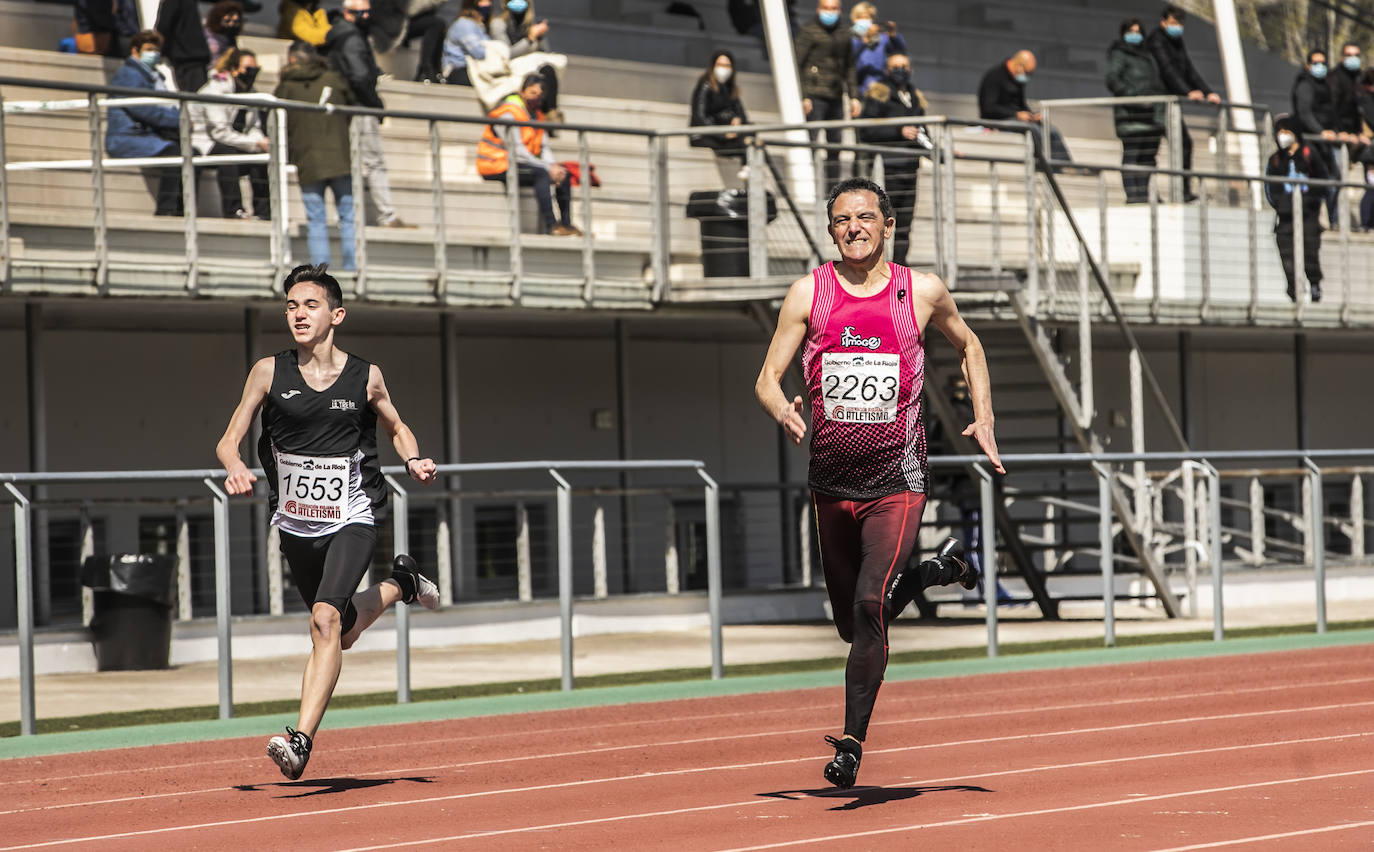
320 410
862 321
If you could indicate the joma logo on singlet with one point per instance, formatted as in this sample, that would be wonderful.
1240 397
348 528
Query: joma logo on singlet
342 405
850 337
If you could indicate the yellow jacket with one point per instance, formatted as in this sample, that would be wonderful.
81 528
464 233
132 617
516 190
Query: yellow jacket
298 22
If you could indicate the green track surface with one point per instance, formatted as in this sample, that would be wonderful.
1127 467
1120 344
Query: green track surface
199 723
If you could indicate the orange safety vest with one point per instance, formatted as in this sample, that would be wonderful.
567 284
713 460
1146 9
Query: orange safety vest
491 149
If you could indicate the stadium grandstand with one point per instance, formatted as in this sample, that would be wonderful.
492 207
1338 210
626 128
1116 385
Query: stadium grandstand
1174 421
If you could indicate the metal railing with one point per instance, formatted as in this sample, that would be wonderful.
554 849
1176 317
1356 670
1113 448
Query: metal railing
556 470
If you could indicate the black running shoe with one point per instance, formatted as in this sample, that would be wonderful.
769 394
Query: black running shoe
844 767
948 562
415 587
291 752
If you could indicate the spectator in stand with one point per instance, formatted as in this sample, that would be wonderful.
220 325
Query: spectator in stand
1179 76
146 131
825 64
1002 97
891 97
317 145
350 55
518 27
466 39
430 27
223 23
716 103
1315 115
1132 72
1344 82
105 27
184 44
1364 98
224 129
533 159
1296 159
872 44
303 20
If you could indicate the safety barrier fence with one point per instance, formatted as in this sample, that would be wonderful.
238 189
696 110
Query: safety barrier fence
989 220
1188 530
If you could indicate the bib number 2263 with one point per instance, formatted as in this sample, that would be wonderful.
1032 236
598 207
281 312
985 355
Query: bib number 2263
860 388
312 489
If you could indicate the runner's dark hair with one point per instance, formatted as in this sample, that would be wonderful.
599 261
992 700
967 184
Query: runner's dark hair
317 274
859 184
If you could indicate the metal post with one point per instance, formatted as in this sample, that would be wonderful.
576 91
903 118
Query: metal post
804 536
184 612
1174 116
1190 536
1299 267
758 212
1032 241
1343 225
276 179
565 577
713 572
400 543
1102 256
1317 535
436 161
599 590
23 590
274 573
951 204
1204 249
989 533
1154 252
584 194
1256 521
995 190
821 192
660 244
671 583
1141 489
1105 560
1214 524
5 283
1357 518
222 600
937 201
1252 236
101 229
1085 342
524 578
355 153
188 197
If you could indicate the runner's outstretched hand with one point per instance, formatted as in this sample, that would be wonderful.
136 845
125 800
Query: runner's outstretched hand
982 433
790 419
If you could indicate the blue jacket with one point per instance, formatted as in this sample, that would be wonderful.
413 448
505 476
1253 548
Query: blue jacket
465 38
132 131
870 60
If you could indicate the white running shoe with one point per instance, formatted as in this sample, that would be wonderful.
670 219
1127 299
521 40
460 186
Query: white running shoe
426 592
291 752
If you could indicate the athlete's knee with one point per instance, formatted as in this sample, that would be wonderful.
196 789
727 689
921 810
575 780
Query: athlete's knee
870 619
326 622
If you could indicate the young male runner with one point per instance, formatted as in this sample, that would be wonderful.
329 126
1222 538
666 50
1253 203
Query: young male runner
862 321
320 411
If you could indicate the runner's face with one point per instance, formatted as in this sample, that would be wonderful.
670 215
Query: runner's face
308 314
857 226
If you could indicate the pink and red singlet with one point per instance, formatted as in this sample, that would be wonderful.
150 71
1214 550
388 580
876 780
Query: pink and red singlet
864 363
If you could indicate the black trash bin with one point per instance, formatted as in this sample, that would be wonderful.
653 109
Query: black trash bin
724 218
134 596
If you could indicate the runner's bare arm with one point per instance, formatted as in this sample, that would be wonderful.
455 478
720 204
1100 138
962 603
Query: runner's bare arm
974 363
791 331
421 470
255 389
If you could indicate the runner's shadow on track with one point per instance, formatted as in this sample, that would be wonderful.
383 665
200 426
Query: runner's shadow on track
325 786
863 797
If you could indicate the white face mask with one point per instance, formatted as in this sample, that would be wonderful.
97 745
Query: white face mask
1286 140
723 75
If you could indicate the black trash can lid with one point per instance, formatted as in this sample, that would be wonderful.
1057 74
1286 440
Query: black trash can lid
145 575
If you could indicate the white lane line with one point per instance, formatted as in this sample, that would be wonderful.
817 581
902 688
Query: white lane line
415 770
692 771
1048 811
1263 837
555 825
1084 705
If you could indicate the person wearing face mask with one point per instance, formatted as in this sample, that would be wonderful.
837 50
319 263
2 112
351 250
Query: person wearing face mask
1002 97
825 66
146 131
303 20
223 129
518 27
1344 82
223 24
184 44
872 44
716 103
1315 115
1132 72
1179 75
466 40
350 54
893 96
1296 159
534 161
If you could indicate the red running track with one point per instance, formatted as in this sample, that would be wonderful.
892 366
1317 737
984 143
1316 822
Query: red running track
1263 751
